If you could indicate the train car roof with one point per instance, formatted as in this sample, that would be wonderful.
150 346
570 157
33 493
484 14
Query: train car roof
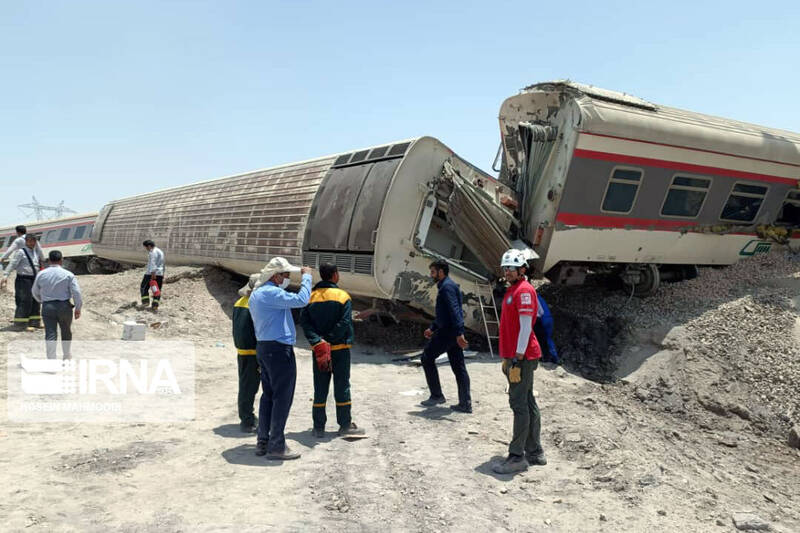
266 169
48 222
622 115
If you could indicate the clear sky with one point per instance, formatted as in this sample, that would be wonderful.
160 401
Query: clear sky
105 99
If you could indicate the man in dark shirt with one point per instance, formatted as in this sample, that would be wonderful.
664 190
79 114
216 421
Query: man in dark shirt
328 325
446 334
244 338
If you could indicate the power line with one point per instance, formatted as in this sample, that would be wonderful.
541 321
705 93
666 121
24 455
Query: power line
38 209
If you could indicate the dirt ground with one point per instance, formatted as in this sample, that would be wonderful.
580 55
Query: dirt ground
639 454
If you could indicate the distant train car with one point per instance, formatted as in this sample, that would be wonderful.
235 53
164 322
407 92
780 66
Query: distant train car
609 182
381 214
69 235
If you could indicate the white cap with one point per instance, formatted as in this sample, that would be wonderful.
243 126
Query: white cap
276 265
252 283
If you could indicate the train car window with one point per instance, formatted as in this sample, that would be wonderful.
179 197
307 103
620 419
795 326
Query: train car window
790 210
743 203
5 242
50 236
79 232
685 196
623 186
64 234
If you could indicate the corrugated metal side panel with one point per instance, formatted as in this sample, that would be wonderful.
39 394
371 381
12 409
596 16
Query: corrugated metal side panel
251 216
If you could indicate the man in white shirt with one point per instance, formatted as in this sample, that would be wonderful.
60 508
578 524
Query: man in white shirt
54 288
26 263
153 272
19 244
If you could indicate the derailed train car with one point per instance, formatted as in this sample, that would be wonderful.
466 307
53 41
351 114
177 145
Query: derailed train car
380 214
592 180
70 236
608 182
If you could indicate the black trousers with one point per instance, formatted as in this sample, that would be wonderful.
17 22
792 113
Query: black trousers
144 289
278 378
445 341
27 308
340 363
249 379
57 315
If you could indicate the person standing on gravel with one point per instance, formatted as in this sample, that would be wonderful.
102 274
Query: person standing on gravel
26 262
446 334
520 352
153 274
271 308
54 288
244 338
328 325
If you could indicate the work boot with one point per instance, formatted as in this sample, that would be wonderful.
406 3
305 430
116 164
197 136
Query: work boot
318 433
261 448
248 427
536 459
285 455
512 464
433 401
462 408
352 432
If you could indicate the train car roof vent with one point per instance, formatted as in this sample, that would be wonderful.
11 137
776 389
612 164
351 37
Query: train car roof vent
399 149
592 92
378 152
342 159
359 156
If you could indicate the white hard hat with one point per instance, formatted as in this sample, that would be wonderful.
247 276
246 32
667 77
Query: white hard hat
513 258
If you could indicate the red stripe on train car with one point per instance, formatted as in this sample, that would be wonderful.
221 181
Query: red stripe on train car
68 243
605 222
690 148
687 167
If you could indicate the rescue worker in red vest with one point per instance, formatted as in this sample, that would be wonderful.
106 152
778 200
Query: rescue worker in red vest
244 338
25 261
328 325
520 353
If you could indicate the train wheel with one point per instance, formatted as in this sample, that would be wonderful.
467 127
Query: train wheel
94 266
649 281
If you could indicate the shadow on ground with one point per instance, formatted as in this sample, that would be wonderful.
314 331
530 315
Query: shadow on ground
245 454
232 431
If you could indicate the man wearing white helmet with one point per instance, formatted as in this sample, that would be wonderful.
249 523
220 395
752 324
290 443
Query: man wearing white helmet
520 352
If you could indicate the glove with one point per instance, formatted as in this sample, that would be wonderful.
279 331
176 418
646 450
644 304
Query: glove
154 288
322 356
514 372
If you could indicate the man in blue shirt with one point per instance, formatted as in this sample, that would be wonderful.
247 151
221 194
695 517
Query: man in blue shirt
543 329
271 308
54 288
446 334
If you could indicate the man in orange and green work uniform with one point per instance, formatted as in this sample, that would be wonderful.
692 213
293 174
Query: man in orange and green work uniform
244 338
328 325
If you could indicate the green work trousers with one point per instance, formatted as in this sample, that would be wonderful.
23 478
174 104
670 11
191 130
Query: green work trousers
527 420
249 380
340 361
